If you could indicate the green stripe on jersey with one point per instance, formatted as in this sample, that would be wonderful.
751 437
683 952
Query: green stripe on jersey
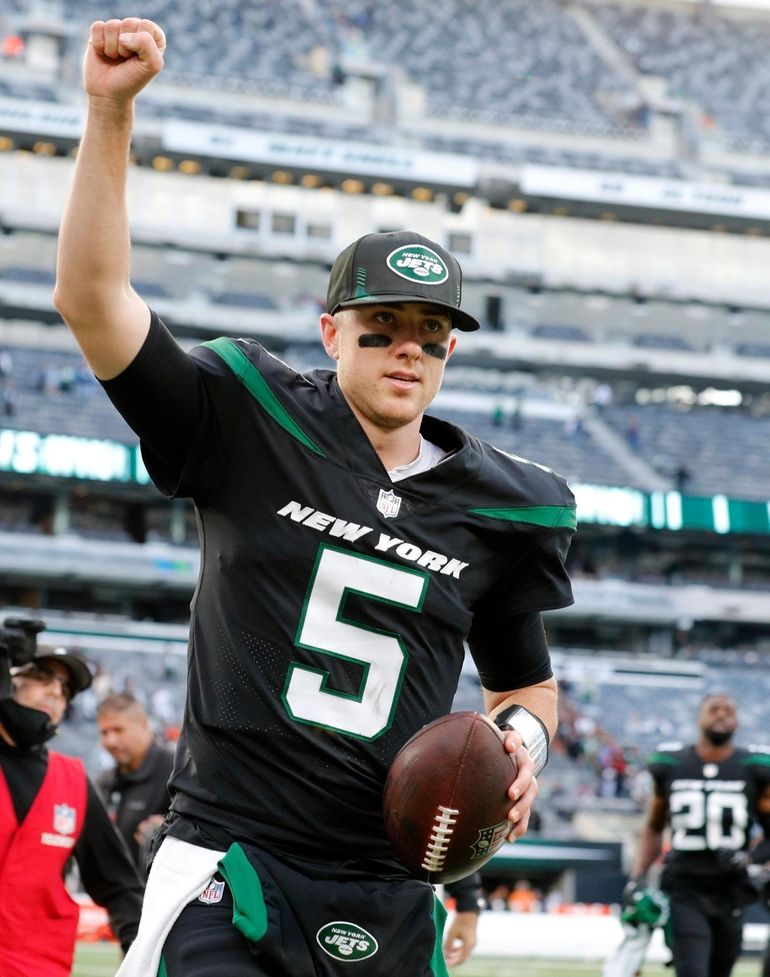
255 383
761 758
162 969
553 516
664 758
249 909
437 963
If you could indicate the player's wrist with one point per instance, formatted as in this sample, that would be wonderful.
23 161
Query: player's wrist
532 730
469 907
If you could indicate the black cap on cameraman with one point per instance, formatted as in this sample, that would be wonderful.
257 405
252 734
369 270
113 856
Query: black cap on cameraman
80 674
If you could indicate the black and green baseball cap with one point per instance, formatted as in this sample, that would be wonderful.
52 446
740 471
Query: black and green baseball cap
80 674
397 266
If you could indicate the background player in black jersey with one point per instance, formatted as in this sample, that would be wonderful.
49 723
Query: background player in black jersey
351 545
709 795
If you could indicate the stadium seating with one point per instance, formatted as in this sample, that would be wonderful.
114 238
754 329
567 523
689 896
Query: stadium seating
642 715
719 64
522 63
524 66
569 451
720 449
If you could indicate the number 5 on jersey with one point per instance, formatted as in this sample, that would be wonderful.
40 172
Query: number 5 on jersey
323 629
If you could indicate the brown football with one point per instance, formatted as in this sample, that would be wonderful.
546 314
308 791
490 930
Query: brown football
446 797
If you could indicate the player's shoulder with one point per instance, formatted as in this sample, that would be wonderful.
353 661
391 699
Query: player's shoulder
241 357
755 754
670 753
521 489
260 372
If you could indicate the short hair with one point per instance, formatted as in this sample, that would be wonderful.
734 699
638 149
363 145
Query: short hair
120 702
717 694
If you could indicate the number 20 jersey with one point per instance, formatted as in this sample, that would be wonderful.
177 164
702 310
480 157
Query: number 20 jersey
712 807
332 605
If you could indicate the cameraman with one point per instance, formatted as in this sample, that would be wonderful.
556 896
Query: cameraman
49 813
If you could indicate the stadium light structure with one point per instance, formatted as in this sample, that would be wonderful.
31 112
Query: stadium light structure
191 167
163 164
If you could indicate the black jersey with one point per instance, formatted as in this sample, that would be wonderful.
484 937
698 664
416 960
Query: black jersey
711 808
332 605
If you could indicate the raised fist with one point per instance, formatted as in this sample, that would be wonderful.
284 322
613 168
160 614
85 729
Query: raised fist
122 57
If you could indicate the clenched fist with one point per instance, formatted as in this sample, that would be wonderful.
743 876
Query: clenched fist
122 57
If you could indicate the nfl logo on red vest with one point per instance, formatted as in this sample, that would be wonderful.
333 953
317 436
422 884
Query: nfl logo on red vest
64 819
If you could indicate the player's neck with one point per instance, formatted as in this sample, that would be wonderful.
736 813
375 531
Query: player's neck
710 753
394 446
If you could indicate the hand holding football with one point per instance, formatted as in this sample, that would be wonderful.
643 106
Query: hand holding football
446 800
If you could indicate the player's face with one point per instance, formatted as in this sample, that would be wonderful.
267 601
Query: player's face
390 359
125 737
718 715
44 687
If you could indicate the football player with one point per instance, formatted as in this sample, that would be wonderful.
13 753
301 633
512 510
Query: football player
351 545
709 794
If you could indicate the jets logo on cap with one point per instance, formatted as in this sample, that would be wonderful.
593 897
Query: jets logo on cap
417 263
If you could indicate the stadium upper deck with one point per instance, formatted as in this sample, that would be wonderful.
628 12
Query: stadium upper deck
656 88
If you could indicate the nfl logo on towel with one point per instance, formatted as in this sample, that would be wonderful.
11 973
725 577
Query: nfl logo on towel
388 503
64 818
213 892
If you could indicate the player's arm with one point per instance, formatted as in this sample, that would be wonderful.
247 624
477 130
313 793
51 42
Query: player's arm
93 291
763 809
650 843
528 717
461 935
520 695
106 869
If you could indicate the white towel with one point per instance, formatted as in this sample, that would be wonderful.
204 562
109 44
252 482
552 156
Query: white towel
179 873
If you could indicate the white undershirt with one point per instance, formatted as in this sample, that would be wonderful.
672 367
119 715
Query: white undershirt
429 456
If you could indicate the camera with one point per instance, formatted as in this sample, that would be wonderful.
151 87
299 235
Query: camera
18 643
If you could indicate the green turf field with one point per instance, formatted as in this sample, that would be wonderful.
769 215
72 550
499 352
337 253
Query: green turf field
100 960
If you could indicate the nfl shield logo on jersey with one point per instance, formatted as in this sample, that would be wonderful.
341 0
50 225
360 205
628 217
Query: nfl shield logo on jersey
388 503
64 818
213 892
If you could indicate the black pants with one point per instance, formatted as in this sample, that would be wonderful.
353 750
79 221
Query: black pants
271 919
706 938
766 960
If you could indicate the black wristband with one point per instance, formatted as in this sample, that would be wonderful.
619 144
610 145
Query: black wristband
531 729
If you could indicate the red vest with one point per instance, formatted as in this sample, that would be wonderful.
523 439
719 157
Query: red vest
38 917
